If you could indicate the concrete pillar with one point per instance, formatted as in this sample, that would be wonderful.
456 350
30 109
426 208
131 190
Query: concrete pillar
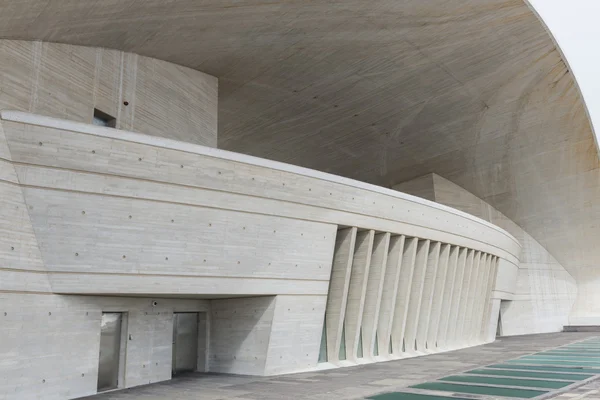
409 257
389 294
374 292
338 290
357 292
416 293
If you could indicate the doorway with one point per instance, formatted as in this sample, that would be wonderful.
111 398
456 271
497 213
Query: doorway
185 342
110 350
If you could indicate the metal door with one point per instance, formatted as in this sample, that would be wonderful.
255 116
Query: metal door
185 342
110 349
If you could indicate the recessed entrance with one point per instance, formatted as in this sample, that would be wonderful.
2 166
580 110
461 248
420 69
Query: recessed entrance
110 349
185 342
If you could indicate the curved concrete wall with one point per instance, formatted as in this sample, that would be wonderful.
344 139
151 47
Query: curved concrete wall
119 213
76 162
574 27
483 98
544 293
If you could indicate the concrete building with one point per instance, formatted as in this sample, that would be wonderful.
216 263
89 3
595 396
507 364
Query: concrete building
264 188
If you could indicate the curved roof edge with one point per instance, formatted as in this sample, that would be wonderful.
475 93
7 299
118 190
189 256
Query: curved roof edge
571 39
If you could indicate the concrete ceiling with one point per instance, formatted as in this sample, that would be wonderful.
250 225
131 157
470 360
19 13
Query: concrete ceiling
381 91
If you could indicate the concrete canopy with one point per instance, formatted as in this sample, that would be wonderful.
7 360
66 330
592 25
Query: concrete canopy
381 91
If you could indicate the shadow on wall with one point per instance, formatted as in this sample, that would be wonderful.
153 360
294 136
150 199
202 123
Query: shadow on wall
239 334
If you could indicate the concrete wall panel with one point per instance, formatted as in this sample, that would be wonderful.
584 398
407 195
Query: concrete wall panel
50 343
295 334
239 334
143 94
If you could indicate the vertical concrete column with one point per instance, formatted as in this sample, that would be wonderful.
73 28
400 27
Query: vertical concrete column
471 298
425 314
441 281
488 297
481 300
459 289
492 308
450 289
374 292
357 292
464 297
416 293
475 291
338 290
409 257
389 294
495 306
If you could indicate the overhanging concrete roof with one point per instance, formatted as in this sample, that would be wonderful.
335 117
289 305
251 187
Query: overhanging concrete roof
381 91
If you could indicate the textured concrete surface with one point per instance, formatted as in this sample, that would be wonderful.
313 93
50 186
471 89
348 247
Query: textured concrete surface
383 92
544 293
417 313
142 94
106 212
348 383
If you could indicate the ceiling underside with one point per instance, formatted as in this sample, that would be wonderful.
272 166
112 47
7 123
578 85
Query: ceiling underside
382 91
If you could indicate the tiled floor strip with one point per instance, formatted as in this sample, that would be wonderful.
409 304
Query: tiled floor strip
529 376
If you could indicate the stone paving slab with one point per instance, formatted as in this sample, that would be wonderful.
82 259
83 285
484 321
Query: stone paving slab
356 382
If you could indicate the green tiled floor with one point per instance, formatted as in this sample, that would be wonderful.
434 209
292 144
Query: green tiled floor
576 349
535 361
507 381
411 396
529 374
485 390
525 377
576 356
586 348
581 360
569 354
546 368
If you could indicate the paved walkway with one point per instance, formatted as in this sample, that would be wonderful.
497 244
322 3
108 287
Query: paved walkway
591 391
349 383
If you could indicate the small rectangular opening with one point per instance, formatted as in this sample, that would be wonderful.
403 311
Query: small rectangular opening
103 119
